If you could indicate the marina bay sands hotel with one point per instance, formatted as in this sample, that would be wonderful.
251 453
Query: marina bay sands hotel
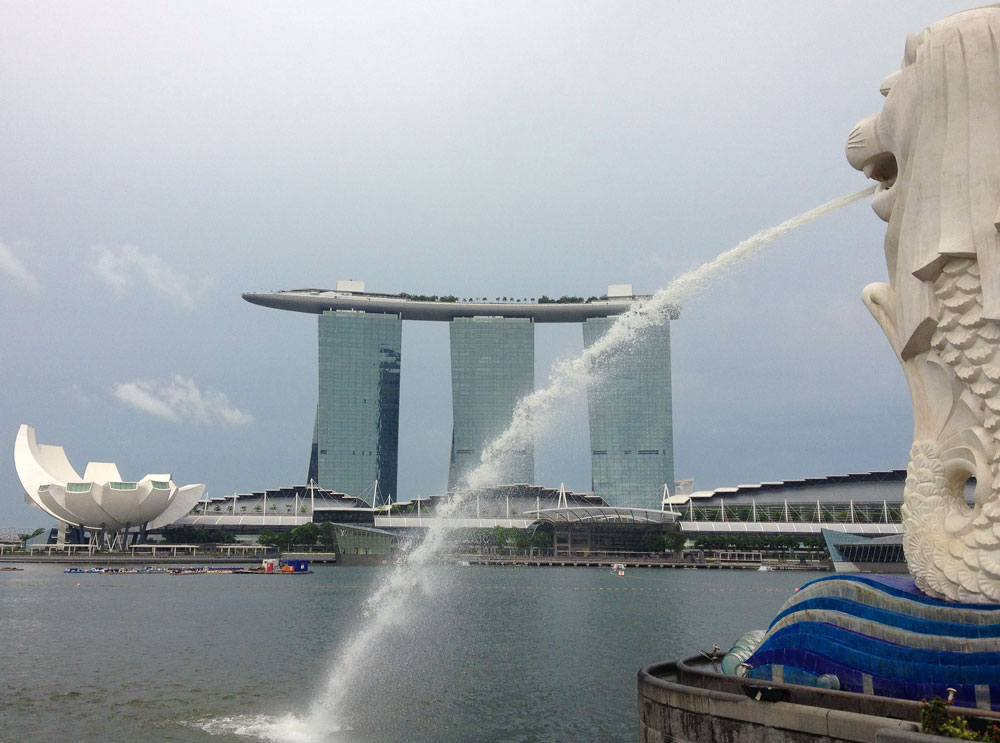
356 433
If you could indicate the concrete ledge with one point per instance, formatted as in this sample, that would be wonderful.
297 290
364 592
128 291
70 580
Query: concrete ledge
680 702
854 726
311 556
796 717
744 710
119 559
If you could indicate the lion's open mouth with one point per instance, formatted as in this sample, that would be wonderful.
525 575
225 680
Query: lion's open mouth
882 168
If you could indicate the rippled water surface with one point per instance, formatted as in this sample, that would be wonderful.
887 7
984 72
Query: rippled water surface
492 654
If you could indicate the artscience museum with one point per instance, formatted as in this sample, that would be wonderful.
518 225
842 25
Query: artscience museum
100 502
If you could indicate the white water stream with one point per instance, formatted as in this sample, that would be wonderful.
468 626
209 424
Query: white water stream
386 607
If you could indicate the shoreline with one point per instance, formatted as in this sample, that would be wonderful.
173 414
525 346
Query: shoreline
125 559
457 560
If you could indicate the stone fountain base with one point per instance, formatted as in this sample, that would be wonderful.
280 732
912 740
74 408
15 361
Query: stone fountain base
886 645
687 702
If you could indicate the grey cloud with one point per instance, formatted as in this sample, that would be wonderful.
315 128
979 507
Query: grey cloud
128 265
14 267
180 400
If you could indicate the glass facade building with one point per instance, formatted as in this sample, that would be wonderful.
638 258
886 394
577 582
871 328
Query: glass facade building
631 419
492 367
357 418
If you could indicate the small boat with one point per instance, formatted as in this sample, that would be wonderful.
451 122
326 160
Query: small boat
618 568
764 569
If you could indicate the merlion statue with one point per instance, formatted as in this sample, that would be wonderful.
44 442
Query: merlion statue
935 149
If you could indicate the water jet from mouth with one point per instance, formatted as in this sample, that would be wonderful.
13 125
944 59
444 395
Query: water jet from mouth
388 605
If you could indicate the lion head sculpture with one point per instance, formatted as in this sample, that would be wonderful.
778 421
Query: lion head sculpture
935 149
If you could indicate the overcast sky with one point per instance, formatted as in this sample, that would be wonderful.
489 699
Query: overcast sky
159 158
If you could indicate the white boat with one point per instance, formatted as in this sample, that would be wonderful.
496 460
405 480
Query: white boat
764 569
618 568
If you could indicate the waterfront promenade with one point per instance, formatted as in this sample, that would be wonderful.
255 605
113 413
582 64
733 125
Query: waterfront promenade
725 561
744 563
135 555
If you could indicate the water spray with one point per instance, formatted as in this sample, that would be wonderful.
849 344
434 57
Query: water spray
386 606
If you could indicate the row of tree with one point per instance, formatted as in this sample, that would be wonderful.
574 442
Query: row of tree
306 536
565 299
761 542
257 508
432 297
671 541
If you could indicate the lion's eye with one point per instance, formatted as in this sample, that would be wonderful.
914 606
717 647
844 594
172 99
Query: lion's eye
887 84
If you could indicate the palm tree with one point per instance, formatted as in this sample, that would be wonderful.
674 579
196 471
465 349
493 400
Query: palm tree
25 537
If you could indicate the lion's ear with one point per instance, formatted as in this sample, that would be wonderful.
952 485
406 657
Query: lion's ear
996 220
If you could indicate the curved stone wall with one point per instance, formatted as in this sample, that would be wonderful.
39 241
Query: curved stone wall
680 702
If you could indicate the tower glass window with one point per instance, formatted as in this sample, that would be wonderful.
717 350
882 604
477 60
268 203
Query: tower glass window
492 367
631 419
357 418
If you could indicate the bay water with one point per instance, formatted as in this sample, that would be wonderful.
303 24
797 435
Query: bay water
482 653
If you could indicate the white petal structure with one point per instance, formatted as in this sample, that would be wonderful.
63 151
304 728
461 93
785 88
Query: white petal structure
100 499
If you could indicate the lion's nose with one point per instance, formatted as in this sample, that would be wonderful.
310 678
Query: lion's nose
863 143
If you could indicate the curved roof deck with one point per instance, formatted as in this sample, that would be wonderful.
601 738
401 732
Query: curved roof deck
859 487
603 515
316 301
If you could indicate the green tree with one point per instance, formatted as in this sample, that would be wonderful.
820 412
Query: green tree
675 540
654 543
497 537
270 538
522 539
542 540
328 536
304 535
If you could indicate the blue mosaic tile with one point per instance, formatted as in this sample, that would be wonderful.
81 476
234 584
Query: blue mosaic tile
922 646
895 619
